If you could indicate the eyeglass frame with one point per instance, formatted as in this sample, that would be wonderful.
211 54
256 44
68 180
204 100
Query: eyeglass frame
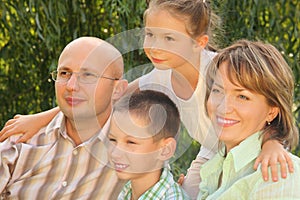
55 73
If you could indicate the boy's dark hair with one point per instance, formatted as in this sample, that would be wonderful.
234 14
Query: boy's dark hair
156 109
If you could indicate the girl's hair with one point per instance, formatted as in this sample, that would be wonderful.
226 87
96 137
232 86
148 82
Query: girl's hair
197 15
260 68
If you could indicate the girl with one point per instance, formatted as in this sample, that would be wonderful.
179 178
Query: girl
176 40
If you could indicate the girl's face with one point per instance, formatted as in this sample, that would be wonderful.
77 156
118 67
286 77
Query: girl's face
236 112
167 43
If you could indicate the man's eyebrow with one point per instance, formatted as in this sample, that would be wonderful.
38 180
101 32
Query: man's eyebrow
64 68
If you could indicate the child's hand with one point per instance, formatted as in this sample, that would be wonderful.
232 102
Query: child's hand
20 124
273 153
181 179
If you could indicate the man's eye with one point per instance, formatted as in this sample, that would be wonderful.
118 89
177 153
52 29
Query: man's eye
64 74
89 75
148 34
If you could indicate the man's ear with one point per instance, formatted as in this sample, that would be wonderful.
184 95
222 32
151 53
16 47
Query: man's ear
168 148
201 41
120 89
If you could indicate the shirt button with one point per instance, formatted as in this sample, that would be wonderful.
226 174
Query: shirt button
75 152
64 183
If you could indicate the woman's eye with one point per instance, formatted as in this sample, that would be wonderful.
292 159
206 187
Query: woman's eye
131 142
243 97
214 90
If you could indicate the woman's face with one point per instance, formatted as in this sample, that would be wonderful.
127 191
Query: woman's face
235 111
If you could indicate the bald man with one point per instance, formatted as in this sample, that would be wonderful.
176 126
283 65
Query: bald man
67 159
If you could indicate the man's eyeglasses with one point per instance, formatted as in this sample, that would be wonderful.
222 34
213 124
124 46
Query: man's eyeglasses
64 76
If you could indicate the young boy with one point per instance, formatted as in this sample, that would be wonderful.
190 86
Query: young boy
141 140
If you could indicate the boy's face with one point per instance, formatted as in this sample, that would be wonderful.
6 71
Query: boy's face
132 156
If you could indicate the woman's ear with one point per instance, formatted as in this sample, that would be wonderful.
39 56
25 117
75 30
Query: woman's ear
168 148
274 111
120 89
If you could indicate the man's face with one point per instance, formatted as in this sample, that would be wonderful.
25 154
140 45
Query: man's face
80 100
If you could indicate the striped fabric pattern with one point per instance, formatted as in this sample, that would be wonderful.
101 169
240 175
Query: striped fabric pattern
49 166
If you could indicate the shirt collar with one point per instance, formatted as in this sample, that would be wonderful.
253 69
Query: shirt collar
241 156
166 181
246 151
58 124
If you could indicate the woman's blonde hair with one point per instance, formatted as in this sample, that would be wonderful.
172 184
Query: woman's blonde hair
260 68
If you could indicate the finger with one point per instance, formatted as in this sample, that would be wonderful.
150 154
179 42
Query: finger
257 162
289 163
10 122
273 163
264 170
180 179
24 138
274 172
17 116
9 132
283 166
3 132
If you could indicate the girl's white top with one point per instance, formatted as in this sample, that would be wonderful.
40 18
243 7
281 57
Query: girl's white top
192 110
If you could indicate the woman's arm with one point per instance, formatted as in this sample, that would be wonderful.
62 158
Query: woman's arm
27 125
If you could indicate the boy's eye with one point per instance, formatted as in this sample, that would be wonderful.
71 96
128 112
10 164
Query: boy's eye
168 38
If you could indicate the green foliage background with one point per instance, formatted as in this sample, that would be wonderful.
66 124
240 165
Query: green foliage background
33 33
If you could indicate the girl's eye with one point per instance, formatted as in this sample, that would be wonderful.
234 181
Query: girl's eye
112 140
149 34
